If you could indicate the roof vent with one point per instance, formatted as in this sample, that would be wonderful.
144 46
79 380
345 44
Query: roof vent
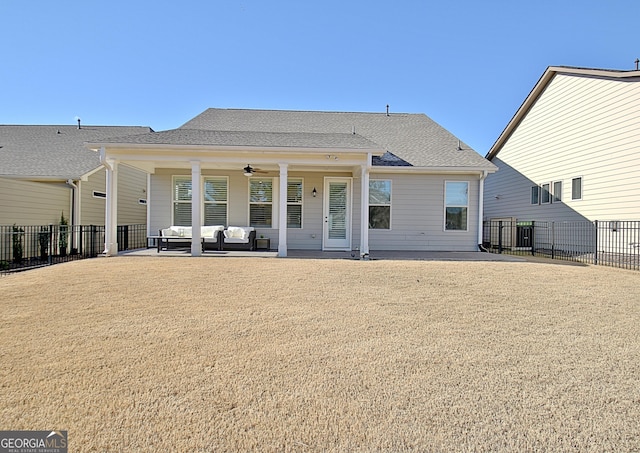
387 109
459 147
78 120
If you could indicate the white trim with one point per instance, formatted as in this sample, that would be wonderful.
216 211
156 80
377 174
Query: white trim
282 224
349 212
196 214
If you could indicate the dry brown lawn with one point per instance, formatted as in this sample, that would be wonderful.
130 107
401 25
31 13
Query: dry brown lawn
270 355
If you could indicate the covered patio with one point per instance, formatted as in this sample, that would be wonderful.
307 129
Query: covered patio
260 176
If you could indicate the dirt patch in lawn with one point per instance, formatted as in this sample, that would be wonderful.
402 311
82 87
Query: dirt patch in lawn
242 354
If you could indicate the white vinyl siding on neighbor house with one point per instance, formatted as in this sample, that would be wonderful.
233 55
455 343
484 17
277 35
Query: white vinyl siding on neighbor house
33 203
579 125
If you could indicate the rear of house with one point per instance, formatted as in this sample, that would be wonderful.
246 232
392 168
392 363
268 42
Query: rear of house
312 180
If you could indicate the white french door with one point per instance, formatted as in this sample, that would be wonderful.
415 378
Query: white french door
337 214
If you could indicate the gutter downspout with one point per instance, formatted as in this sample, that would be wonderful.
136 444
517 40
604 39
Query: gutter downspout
75 201
483 176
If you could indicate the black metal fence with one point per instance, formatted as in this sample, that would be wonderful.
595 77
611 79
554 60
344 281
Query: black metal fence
609 243
28 246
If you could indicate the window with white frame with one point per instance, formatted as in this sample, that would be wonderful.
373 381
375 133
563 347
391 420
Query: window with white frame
181 200
294 203
379 204
535 195
215 200
456 200
260 202
576 188
557 191
545 195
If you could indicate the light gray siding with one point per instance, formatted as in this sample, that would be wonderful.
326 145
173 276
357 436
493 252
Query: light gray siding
417 211
580 126
132 185
417 215
33 203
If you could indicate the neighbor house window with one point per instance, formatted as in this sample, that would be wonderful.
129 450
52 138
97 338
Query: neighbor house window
260 202
545 196
215 201
379 204
557 191
576 188
294 203
535 195
456 200
181 199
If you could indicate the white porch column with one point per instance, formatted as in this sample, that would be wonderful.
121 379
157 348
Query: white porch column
364 212
483 176
282 211
111 209
196 209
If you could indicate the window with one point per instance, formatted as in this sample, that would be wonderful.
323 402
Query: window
260 202
576 188
294 203
557 191
380 204
456 196
535 195
215 201
545 196
181 199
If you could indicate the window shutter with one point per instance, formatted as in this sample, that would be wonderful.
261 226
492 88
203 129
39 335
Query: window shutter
215 190
182 189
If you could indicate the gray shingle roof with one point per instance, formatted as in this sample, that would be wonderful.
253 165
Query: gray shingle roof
411 139
197 137
55 152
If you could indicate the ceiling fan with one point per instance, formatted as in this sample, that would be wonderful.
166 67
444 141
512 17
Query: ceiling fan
249 170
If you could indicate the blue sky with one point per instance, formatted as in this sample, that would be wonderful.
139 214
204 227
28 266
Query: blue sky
466 64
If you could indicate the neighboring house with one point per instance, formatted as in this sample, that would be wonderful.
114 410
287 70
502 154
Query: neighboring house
571 152
309 180
46 171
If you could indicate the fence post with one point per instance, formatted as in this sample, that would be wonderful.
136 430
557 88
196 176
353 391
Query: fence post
533 238
595 246
50 244
500 236
553 240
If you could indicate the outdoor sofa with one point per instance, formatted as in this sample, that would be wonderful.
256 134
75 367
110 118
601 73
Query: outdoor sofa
176 237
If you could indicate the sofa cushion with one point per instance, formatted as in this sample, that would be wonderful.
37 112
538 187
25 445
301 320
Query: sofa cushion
208 231
167 232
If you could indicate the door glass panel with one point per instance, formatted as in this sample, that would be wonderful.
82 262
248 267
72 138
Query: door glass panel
337 210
